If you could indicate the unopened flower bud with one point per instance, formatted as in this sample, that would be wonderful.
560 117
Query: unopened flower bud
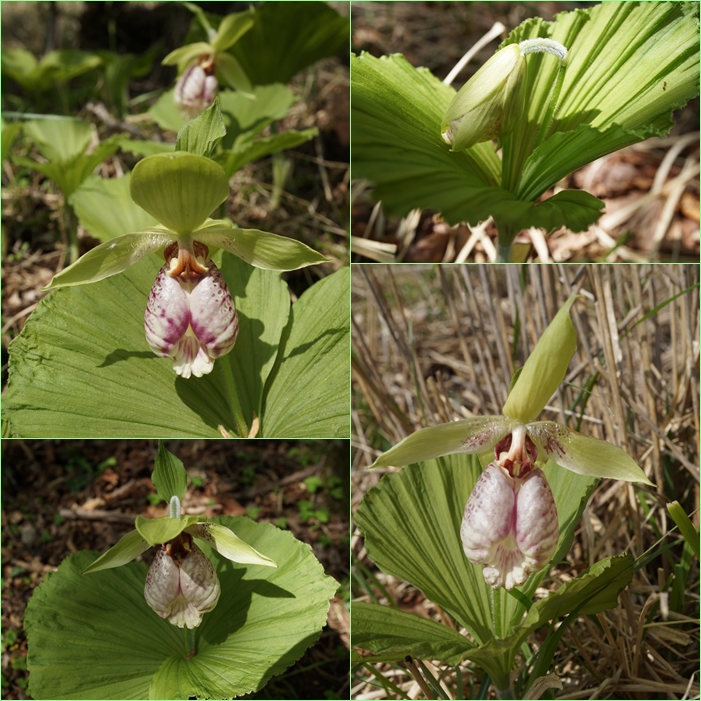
490 103
190 315
510 525
196 88
181 584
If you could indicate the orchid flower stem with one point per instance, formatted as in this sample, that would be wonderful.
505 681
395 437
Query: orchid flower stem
496 613
193 644
190 643
233 399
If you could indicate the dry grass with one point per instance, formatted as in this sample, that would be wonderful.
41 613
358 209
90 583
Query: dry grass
434 343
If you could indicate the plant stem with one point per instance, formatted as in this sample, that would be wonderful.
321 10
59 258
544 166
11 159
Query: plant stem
496 613
233 399
70 225
507 693
193 646
503 251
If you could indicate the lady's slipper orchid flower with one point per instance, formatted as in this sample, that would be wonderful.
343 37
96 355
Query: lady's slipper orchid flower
199 64
510 522
190 315
196 88
490 104
181 584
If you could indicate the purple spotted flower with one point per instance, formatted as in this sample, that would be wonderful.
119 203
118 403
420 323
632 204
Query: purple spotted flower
190 315
181 584
196 88
510 524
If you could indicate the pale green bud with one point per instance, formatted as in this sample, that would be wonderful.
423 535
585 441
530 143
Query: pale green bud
490 103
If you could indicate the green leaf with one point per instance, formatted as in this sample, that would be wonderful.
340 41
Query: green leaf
228 544
545 368
470 436
391 635
247 114
594 591
232 28
630 66
112 257
69 174
105 209
308 392
160 530
166 113
145 148
259 248
396 114
411 524
95 636
9 133
179 189
295 35
55 67
201 134
244 152
263 306
127 548
85 343
169 476
59 139
686 527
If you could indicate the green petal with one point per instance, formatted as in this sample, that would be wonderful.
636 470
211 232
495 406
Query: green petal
259 248
112 257
583 454
179 189
228 544
186 53
160 530
232 28
477 435
545 368
125 550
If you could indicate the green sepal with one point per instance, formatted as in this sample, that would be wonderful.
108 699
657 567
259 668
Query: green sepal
232 28
583 454
126 549
469 436
259 248
185 54
545 368
179 189
112 257
169 476
160 530
233 74
228 544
